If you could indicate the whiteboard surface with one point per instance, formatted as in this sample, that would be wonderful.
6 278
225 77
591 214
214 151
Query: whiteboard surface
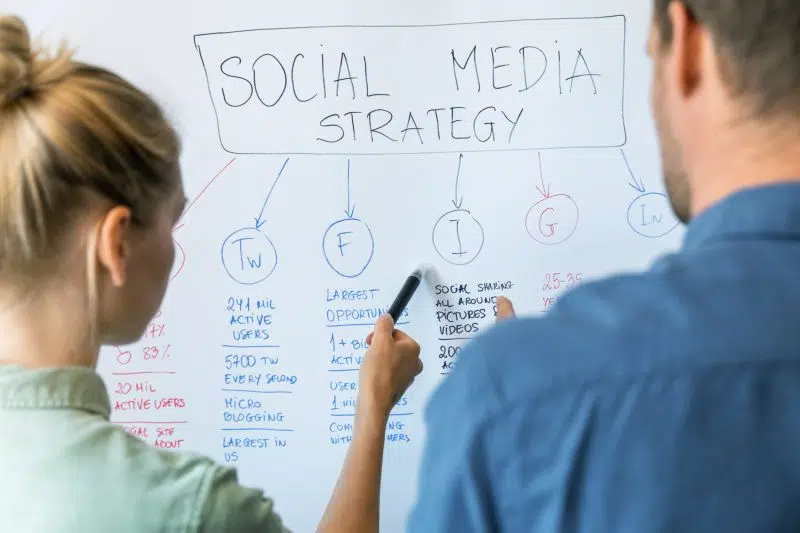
307 214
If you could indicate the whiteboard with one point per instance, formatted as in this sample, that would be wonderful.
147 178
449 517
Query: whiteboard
330 147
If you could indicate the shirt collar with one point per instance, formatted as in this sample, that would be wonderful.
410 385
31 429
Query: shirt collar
53 388
769 211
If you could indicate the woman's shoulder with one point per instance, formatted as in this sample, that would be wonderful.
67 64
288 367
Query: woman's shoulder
122 483
94 476
190 491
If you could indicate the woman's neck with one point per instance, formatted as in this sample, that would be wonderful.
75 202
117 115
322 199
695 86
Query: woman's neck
45 329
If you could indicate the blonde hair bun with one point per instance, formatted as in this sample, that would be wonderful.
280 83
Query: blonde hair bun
16 59
74 138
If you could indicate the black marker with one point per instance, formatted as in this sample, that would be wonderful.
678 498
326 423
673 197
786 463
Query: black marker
407 291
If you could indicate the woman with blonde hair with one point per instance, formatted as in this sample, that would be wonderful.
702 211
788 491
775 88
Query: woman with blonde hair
90 188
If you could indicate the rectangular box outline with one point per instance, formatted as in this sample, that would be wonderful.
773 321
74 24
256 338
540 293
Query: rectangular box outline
412 26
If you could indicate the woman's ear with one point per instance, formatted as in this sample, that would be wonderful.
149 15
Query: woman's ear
113 249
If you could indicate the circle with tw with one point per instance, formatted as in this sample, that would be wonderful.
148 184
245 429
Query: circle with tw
552 220
650 215
458 237
348 246
248 256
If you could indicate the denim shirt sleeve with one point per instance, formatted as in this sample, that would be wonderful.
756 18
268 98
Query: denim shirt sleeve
229 506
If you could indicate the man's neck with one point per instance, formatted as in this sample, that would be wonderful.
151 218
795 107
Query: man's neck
746 156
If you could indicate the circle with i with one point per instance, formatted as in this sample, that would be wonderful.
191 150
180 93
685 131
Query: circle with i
458 237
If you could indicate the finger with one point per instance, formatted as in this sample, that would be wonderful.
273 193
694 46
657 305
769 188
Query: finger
384 326
505 309
408 345
369 338
384 323
401 336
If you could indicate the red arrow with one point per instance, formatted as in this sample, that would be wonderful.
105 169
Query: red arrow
545 188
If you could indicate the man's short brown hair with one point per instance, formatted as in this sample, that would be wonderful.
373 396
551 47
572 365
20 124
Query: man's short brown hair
759 44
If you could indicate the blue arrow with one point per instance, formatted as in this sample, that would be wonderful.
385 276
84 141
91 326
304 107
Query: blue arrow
457 202
351 209
637 184
260 221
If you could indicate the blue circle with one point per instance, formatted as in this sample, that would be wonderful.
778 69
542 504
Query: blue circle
658 227
365 247
249 270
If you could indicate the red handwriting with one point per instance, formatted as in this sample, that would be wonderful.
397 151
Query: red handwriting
137 431
139 380
181 262
152 353
168 444
145 353
554 281
135 422
201 193
147 404
165 437
127 387
124 357
180 252
553 219
167 403
155 330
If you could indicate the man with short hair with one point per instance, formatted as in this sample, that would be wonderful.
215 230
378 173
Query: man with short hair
667 401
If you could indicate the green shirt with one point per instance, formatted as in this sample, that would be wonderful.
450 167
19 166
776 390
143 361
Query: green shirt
67 469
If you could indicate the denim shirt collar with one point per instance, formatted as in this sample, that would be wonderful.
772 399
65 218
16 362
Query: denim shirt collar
79 388
760 212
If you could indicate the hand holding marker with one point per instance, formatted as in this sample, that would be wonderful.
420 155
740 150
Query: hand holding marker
392 360
398 354
408 290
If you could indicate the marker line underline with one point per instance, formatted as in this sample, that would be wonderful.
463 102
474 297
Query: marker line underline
258 429
365 325
353 414
131 422
258 391
253 346
140 373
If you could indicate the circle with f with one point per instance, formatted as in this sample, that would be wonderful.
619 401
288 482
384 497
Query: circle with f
348 247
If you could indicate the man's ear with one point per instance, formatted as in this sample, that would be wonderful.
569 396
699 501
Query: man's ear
686 49
113 249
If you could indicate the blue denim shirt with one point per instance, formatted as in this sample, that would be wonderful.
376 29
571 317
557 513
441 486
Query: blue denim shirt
666 401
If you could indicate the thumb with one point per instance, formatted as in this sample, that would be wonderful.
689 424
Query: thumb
384 326
505 309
